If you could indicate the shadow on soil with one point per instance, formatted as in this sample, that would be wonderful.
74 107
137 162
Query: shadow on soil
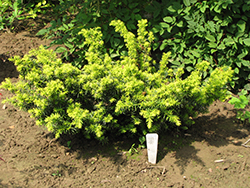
8 69
214 128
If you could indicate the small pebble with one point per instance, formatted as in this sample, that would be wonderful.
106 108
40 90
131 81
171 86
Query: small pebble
121 153
54 156
235 141
40 156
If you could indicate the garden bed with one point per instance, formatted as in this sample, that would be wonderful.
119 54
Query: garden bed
33 158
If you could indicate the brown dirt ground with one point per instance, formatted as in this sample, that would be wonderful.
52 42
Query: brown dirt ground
34 159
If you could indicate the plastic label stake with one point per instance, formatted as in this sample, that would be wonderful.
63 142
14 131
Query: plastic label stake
152 146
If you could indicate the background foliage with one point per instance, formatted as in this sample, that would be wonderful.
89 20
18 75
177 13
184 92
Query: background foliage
241 103
215 31
11 11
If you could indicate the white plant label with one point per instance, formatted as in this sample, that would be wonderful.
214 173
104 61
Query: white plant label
152 146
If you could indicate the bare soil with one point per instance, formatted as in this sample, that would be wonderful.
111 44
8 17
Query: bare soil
33 158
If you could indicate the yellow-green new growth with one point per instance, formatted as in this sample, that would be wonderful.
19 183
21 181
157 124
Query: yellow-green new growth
131 94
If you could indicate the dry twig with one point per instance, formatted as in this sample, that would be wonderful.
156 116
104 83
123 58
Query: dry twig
243 165
246 143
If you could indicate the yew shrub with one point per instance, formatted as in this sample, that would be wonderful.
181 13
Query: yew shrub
132 94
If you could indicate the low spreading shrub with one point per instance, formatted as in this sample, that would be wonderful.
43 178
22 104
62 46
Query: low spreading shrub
133 94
